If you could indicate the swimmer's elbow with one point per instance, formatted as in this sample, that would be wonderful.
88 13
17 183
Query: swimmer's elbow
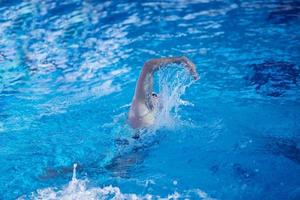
149 66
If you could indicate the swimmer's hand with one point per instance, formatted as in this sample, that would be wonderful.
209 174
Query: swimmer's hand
189 65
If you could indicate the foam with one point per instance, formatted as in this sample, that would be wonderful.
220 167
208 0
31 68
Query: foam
78 189
172 84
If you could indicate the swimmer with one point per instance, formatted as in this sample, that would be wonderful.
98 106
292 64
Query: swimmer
144 103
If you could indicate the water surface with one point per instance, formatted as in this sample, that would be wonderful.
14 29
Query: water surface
67 75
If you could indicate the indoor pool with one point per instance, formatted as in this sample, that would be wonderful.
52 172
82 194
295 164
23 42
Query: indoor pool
68 71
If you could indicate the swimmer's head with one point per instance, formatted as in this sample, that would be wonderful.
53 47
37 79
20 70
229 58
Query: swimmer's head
154 99
154 95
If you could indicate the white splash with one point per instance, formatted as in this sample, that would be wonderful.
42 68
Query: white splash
172 84
78 189
74 172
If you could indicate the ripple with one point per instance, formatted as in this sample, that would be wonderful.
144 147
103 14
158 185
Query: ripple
68 67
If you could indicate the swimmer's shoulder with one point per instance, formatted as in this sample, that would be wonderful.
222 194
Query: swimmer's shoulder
140 115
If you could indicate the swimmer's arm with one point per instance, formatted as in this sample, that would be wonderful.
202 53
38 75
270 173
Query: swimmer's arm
144 86
155 64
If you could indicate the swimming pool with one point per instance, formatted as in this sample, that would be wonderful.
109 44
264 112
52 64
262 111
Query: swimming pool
68 71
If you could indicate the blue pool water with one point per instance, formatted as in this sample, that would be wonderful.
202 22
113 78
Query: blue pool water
67 76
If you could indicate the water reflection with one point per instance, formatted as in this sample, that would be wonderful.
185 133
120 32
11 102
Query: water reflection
243 173
287 147
274 78
285 12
